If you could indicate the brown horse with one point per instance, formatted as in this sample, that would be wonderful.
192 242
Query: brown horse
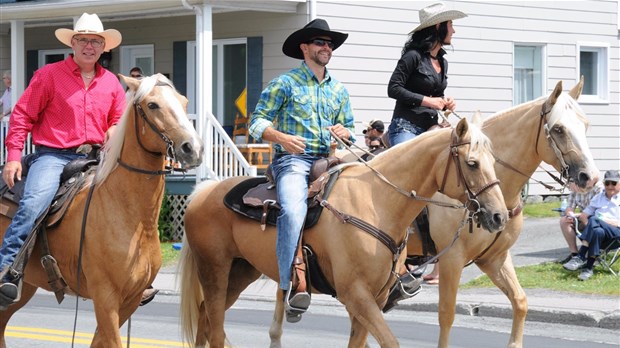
536 128
121 252
225 252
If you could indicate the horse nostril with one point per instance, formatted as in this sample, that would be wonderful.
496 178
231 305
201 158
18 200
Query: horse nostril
498 219
583 177
187 147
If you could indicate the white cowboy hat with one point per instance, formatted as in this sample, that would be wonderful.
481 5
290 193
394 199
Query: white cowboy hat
90 24
435 14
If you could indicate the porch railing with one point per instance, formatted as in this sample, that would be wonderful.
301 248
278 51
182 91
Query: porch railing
4 129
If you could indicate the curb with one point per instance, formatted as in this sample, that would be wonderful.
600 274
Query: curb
597 319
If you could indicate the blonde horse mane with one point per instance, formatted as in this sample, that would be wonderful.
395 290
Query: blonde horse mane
112 149
564 101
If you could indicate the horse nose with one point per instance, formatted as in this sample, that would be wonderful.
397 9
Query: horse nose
499 219
583 177
187 148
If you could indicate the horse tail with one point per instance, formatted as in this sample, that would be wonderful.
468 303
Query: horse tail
191 294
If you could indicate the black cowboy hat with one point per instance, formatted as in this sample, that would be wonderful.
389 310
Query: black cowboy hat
315 28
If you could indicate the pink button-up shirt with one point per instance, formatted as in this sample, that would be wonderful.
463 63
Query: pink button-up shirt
61 113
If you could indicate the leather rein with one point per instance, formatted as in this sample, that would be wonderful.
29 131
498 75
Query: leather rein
386 239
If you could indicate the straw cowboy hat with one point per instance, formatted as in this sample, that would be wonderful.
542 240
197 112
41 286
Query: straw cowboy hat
435 14
90 24
317 27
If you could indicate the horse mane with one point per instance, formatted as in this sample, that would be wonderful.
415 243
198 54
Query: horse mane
112 149
564 101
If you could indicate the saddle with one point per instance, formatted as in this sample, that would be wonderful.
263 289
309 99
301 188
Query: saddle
76 174
256 198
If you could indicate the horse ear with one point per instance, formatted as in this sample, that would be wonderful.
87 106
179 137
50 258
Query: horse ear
550 102
462 128
575 92
477 119
131 82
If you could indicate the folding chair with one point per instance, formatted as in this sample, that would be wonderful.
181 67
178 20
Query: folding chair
610 253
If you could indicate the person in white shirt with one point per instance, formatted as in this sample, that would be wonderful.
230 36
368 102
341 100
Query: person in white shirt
5 101
602 220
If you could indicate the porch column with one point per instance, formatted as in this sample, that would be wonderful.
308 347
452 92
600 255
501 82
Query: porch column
18 59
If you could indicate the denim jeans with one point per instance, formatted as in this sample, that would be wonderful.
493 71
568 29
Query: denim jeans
291 175
597 233
41 185
401 130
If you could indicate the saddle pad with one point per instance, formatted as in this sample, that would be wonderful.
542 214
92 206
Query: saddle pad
234 201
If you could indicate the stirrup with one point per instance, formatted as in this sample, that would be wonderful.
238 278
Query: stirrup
406 286
295 304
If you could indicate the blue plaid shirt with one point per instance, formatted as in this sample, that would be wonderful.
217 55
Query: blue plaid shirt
297 103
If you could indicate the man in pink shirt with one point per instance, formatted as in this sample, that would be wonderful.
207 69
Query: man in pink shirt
67 104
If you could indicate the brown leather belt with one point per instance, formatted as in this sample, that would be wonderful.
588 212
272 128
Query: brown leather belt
69 149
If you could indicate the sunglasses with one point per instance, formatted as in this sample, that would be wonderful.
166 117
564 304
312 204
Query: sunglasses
321 43
610 183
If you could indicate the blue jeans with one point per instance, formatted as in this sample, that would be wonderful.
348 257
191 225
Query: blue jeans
597 233
291 175
401 130
41 185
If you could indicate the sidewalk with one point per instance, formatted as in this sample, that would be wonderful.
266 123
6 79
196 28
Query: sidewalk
540 241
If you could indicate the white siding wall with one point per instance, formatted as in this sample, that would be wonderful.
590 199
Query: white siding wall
481 62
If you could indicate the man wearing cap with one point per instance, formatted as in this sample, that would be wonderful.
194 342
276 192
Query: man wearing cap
374 131
602 220
66 104
296 111
421 75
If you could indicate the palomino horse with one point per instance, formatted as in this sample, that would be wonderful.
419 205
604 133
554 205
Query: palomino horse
121 252
225 252
536 128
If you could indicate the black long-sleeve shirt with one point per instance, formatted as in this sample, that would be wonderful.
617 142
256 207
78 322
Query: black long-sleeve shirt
414 78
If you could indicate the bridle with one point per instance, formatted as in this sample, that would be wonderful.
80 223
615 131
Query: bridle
473 205
138 111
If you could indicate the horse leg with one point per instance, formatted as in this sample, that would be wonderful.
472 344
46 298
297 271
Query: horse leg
213 278
362 306
358 335
275 330
502 273
448 287
27 292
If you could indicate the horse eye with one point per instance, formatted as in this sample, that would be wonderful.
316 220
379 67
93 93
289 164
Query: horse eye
472 164
558 129
153 106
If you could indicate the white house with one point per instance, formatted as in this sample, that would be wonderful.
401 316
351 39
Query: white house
504 53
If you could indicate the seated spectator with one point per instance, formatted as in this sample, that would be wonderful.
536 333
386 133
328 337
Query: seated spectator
602 223
576 202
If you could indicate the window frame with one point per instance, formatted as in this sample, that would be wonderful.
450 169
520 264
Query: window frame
603 73
543 66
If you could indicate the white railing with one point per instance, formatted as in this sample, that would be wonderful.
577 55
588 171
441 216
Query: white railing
222 157
4 129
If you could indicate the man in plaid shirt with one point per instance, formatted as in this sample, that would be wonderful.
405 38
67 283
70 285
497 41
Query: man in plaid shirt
576 200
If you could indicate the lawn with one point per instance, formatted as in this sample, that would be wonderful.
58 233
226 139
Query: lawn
553 276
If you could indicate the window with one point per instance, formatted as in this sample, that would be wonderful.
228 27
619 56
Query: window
229 77
52 56
528 73
593 65
142 56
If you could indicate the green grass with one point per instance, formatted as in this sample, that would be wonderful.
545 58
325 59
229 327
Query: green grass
540 210
169 255
553 276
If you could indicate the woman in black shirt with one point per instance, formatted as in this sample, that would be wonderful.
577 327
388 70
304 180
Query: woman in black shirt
420 77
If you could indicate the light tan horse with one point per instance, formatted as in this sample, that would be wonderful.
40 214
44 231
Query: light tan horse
225 252
520 140
121 252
